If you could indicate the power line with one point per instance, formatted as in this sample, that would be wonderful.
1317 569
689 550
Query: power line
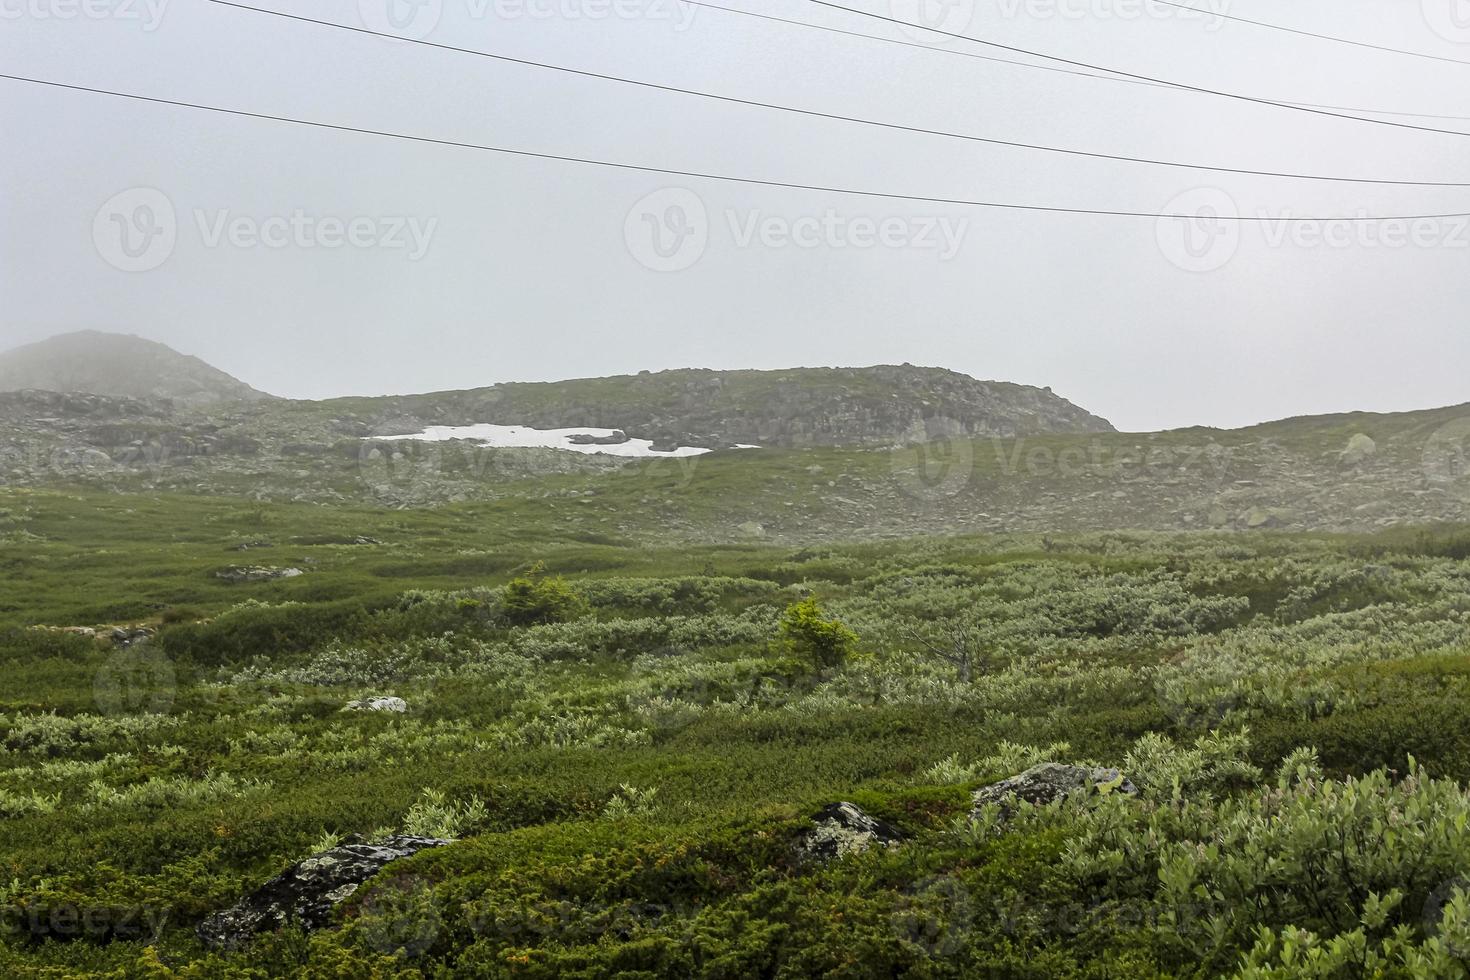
947 134
1143 78
1320 37
1031 65
699 175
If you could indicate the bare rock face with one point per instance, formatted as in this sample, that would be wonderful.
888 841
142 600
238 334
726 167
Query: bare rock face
390 704
257 573
842 829
1052 781
307 893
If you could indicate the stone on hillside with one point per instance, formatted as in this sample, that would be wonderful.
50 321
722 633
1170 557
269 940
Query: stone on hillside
126 636
257 573
751 529
1261 518
307 893
397 705
1360 449
843 829
1052 781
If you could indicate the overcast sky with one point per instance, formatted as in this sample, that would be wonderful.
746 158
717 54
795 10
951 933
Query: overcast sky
313 263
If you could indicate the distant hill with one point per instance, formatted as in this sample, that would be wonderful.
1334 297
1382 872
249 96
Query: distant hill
119 365
868 406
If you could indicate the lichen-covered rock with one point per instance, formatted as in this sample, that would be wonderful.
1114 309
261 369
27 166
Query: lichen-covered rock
1360 448
843 829
257 573
306 893
397 705
1052 781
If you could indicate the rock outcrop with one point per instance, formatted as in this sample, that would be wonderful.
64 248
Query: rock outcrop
842 829
307 893
1049 782
390 704
257 573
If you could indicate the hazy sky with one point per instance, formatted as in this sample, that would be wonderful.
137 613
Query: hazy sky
314 263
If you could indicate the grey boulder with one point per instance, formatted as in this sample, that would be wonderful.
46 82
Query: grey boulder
842 829
1052 781
307 893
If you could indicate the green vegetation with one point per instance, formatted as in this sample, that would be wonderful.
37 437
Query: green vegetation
629 739
825 643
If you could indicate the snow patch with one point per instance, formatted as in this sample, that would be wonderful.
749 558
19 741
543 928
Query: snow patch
525 437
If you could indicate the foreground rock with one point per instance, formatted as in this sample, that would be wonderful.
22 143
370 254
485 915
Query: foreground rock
397 705
257 573
843 829
1049 782
307 893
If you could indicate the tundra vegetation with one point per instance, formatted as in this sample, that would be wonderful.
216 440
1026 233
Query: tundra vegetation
628 741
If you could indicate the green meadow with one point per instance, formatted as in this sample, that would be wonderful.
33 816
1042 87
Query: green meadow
628 735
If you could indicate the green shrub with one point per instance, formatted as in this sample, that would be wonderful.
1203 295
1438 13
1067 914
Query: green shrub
536 599
825 643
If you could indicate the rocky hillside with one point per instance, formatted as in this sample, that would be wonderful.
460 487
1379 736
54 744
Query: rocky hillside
872 406
116 364
1332 473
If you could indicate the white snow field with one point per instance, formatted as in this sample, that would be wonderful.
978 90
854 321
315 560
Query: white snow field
525 437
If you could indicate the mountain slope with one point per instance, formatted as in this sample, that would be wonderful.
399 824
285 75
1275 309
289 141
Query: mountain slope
870 406
120 365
